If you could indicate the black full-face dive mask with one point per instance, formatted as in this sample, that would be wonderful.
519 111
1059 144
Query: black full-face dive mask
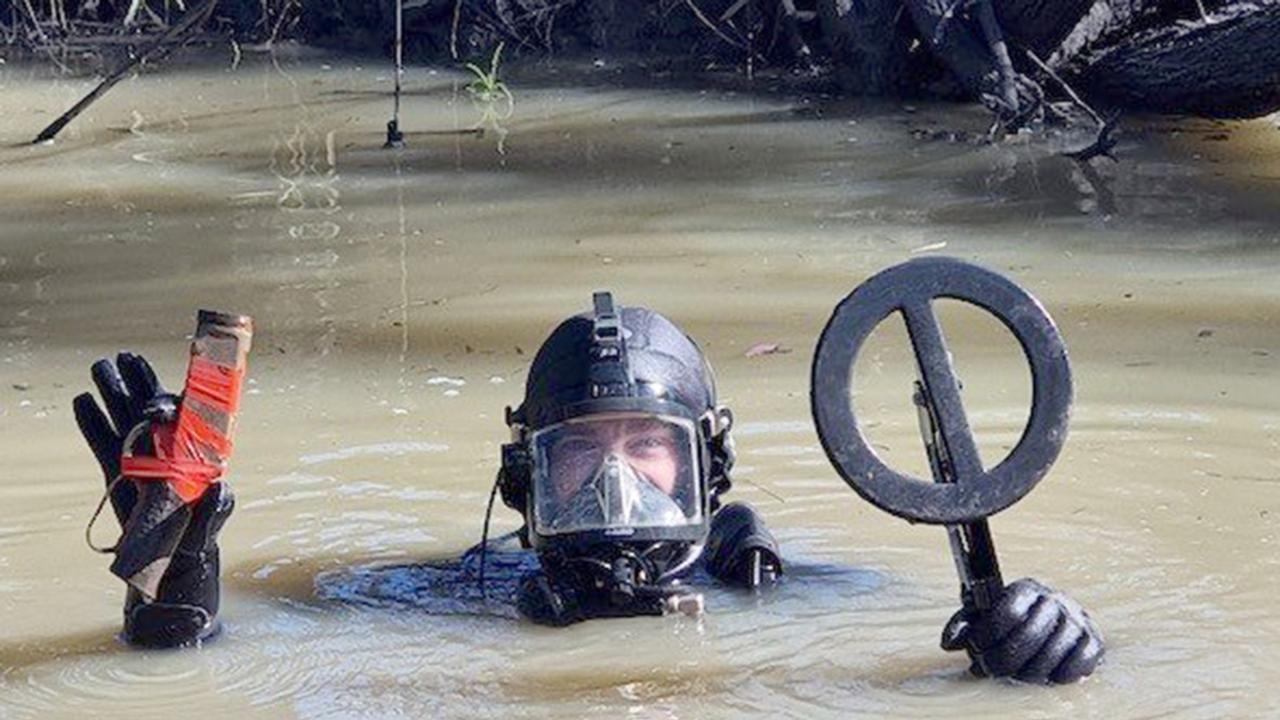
614 452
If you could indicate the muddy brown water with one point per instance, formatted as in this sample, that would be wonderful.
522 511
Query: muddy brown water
399 297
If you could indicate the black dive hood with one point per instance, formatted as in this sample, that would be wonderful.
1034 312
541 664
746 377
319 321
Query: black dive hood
609 361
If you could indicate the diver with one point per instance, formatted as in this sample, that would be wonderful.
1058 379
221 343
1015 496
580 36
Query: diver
619 459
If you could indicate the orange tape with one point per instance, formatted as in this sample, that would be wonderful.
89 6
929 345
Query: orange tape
214 385
182 447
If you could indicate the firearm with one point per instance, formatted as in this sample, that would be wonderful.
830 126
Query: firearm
191 451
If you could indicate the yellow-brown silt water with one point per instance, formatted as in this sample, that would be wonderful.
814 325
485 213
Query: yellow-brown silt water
399 297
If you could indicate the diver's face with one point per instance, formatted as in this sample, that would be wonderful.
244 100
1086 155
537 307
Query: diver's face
649 446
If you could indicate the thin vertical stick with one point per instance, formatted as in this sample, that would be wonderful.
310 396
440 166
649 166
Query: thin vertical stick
453 29
395 138
399 54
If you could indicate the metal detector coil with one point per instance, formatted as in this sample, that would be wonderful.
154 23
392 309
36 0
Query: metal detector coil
971 493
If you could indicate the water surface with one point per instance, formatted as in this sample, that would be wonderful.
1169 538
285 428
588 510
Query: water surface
399 297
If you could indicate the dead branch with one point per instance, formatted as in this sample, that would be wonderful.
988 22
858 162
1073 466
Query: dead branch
1103 143
1065 87
157 47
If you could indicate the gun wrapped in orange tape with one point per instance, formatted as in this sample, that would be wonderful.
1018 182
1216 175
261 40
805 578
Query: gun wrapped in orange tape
191 453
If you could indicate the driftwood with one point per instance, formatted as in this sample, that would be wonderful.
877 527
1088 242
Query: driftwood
1216 58
161 44
1222 60
1227 65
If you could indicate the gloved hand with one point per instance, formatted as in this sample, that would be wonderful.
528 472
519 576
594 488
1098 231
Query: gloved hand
740 549
185 608
1032 633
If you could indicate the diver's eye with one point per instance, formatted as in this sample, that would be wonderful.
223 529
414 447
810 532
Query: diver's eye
571 447
648 445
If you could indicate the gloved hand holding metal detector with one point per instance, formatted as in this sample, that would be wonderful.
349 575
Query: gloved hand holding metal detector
1025 630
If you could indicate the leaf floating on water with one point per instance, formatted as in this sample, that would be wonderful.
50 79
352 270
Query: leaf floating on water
760 349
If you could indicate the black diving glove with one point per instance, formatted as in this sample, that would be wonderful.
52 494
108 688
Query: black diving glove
1032 633
185 607
740 549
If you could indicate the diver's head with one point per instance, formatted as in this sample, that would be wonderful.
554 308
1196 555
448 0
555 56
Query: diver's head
618 449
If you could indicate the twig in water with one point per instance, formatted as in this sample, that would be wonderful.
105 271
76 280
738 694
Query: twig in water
733 10
453 29
1102 145
697 11
157 47
1067 88
44 39
284 14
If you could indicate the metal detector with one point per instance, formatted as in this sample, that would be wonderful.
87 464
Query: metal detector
963 494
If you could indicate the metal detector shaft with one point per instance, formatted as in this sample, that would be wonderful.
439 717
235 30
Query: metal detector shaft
971 545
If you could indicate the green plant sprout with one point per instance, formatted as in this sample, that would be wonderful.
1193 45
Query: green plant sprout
487 88
491 96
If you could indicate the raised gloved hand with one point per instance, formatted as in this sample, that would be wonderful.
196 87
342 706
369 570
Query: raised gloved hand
1032 633
184 609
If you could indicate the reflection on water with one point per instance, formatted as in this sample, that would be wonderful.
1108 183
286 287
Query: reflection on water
399 297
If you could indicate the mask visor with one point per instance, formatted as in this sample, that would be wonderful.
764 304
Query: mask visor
616 471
